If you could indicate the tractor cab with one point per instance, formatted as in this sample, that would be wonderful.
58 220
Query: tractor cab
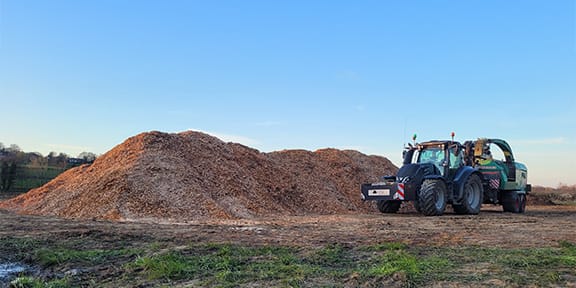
446 156
432 153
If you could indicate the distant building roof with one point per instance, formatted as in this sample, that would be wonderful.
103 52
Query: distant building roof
75 160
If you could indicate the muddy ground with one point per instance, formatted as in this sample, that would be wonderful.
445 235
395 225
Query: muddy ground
540 226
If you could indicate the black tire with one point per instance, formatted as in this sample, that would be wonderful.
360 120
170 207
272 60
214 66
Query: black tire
432 198
388 206
417 206
522 203
472 197
513 202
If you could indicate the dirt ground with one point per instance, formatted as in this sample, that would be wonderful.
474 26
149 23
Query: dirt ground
540 226
180 178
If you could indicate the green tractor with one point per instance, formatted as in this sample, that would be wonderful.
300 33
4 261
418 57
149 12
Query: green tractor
437 173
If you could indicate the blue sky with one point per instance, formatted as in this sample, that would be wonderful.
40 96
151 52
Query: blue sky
85 75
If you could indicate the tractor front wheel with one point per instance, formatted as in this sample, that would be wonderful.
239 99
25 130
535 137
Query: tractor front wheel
472 196
417 206
388 206
432 197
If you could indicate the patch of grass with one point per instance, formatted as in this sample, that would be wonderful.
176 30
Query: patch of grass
15 249
517 267
333 265
167 266
538 265
230 265
568 247
223 265
55 256
31 282
408 267
333 255
24 243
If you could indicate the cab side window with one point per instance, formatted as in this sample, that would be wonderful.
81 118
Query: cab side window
456 158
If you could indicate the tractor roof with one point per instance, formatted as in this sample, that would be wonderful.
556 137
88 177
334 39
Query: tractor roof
438 142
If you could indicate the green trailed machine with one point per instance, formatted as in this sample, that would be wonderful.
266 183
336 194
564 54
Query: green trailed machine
464 175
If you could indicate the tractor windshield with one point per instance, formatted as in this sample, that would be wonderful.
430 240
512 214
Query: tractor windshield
432 154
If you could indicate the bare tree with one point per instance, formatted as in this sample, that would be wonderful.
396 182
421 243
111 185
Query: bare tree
14 148
52 158
7 175
88 157
62 160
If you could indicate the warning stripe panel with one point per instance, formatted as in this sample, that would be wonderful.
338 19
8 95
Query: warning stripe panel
399 195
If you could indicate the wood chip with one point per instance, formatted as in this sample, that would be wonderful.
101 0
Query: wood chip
192 176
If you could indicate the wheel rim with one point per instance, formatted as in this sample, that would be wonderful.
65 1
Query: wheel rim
473 194
439 199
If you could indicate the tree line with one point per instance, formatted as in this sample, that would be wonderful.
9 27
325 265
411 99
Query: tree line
21 170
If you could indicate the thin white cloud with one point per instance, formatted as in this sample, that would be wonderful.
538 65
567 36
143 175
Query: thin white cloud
543 141
232 138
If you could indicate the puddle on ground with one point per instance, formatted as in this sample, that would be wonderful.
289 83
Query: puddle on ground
9 269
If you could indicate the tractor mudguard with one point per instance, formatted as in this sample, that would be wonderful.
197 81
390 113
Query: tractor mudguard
460 179
433 177
408 170
416 173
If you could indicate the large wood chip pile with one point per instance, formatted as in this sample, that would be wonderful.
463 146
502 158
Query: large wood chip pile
193 176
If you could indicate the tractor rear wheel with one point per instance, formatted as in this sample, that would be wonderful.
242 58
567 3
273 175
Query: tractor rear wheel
386 206
513 202
472 196
432 197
